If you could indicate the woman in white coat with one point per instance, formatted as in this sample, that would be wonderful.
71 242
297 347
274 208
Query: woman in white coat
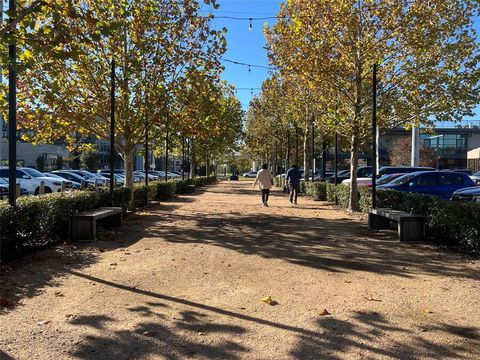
264 180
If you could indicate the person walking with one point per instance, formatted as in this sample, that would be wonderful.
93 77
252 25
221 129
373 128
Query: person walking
264 180
293 180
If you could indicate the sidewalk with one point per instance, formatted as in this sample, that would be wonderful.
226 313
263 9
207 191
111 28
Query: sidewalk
184 280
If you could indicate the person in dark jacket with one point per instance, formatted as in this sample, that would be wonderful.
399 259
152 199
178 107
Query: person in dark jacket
293 180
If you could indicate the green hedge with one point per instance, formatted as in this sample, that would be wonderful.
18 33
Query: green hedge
452 222
40 220
317 190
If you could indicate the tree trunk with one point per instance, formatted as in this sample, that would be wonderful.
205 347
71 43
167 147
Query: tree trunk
192 159
353 198
306 152
207 170
128 160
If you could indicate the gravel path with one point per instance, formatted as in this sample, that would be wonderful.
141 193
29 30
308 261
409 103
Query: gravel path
185 280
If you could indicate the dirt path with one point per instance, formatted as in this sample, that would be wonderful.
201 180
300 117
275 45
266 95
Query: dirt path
184 280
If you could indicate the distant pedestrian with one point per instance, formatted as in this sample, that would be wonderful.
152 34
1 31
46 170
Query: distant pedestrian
293 180
264 180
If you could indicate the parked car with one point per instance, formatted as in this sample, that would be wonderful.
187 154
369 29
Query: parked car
4 190
360 182
250 174
385 179
362 172
465 171
439 183
75 185
173 175
386 170
476 177
87 175
471 194
71 176
119 180
30 179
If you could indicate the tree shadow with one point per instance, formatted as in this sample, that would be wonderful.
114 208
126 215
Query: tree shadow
369 334
29 275
184 337
334 245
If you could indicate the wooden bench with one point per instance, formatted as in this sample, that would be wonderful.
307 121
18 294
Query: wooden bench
83 226
411 227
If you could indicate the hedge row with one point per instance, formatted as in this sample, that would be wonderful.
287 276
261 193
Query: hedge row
456 223
41 220
317 190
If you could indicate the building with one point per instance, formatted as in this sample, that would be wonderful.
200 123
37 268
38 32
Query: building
42 156
451 142
473 159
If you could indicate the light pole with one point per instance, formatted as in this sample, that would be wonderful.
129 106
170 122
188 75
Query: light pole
12 110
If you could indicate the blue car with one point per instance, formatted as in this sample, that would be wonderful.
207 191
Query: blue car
438 183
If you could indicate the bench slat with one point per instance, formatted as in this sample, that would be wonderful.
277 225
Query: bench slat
99 213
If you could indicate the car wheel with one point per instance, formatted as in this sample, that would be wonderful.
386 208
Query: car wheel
47 190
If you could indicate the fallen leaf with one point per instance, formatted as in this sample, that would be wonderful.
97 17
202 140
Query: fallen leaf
427 311
268 300
113 264
58 293
324 312
43 322
69 315
371 298
348 281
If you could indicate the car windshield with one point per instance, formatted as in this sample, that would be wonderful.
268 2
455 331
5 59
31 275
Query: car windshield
477 173
2 181
403 179
34 173
384 179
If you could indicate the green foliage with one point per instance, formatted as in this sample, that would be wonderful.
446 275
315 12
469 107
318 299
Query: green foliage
41 220
451 222
40 163
277 181
317 190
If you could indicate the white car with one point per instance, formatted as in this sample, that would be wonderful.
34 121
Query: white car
362 181
250 174
30 179
476 177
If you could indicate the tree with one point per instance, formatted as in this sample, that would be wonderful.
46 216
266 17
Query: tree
154 43
400 153
427 53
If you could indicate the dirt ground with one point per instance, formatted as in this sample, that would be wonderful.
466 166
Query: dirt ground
185 279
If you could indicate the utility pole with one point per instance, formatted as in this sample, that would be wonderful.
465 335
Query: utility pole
1 81
12 110
374 137
415 146
112 127
313 149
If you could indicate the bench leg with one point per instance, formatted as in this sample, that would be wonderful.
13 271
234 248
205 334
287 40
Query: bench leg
83 229
114 221
411 229
377 222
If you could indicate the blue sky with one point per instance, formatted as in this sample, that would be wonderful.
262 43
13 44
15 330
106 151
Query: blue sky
248 46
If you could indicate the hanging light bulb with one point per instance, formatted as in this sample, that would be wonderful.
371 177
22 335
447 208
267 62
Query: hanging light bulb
249 68
250 26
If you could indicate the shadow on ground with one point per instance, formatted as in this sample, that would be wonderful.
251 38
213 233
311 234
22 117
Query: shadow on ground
339 245
365 333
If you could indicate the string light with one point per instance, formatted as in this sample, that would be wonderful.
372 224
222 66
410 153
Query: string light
245 64
250 26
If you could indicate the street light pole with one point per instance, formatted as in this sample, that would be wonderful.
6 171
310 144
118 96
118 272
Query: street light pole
374 137
112 128
12 111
